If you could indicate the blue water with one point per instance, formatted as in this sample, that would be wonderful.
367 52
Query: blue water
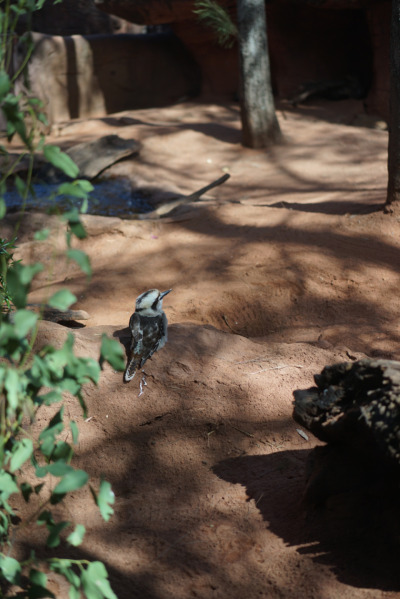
110 197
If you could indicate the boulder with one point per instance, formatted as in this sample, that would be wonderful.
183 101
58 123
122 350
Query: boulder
87 76
355 405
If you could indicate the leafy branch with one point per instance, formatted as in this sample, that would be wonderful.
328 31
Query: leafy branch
29 381
213 15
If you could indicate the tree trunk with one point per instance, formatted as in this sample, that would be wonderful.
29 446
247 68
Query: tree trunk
260 127
393 191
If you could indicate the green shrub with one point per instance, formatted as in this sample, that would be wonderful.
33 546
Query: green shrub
29 381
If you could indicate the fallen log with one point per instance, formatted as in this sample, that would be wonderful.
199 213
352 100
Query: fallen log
355 404
56 315
169 207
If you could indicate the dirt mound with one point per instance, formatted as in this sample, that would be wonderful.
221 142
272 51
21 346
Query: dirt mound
282 270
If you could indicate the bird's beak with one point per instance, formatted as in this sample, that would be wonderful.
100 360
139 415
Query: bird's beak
164 293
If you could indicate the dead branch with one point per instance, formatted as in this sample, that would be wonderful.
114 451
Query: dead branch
169 207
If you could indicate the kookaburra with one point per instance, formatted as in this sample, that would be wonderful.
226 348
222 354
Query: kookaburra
148 326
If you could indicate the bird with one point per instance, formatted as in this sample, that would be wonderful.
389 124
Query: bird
148 326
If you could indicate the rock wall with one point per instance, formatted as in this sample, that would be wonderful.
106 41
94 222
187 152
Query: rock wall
76 17
77 76
308 40
377 101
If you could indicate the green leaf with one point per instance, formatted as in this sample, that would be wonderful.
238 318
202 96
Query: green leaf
55 425
111 352
64 567
38 488
10 568
59 468
24 321
28 272
70 385
61 160
62 451
45 517
26 490
56 360
75 224
76 537
217 18
72 481
8 486
42 117
73 593
82 404
18 282
95 582
21 186
41 471
21 451
37 577
81 259
37 589
42 235
53 540
49 398
15 122
5 84
105 498
3 208
84 370
4 525
84 206
74 430
62 299
11 384
48 435
80 188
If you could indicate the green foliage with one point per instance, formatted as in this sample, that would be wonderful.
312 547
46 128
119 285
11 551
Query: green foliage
111 352
62 299
95 583
104 499
81 259
213 15
6 262
60 160
29 381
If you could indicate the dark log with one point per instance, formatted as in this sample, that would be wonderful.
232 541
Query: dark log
56 315
355 404
93 157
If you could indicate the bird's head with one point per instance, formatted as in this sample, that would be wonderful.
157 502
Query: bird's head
149 303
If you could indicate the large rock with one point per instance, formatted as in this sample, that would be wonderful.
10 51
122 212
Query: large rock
356 406
80 77
75 17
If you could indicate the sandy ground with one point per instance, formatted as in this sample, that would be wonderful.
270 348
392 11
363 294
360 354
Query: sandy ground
287 267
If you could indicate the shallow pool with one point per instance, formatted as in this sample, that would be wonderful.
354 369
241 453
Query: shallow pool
110 197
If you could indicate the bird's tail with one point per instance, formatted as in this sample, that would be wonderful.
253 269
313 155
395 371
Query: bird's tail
130 369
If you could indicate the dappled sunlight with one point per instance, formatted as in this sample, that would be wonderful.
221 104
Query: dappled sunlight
287 267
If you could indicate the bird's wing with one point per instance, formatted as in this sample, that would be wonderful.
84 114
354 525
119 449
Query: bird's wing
163 338
135 348
153 333
137 334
